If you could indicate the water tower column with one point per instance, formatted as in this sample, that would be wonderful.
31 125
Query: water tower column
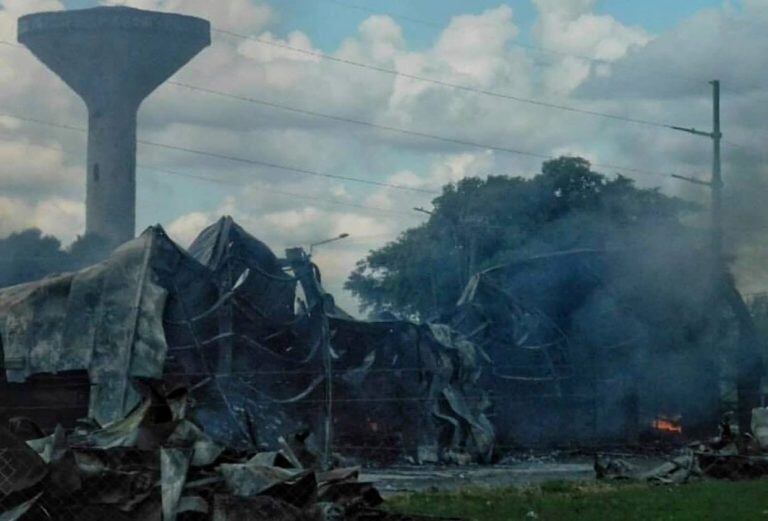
111 181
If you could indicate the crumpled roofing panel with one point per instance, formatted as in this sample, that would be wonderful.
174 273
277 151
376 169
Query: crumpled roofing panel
106 319
226 249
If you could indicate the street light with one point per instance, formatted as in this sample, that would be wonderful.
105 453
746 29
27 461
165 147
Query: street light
326 241
314 291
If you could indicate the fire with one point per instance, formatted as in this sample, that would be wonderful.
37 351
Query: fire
667 425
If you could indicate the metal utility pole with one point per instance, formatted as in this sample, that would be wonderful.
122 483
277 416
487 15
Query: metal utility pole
717 178
716 182
747 359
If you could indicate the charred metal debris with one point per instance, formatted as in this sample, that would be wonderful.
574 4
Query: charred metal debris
198 381
730 455
156 464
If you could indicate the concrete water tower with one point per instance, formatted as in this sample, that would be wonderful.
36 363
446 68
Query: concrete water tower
113 57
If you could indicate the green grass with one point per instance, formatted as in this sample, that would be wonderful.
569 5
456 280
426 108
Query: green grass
558 500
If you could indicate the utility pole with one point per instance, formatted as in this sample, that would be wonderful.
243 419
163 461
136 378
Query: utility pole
716 182
717 179
748 362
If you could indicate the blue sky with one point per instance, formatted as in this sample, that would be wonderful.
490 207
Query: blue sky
329 22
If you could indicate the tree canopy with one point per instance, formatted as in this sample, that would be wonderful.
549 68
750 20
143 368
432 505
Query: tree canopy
30 255
479 223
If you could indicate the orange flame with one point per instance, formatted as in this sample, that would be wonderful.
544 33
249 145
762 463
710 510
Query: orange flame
664 425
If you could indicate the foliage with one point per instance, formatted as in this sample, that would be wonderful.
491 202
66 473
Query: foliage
479 223
29 255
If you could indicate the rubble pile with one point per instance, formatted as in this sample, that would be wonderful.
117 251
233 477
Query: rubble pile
156 464
730 455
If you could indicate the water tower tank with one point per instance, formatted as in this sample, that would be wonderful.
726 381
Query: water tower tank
113 57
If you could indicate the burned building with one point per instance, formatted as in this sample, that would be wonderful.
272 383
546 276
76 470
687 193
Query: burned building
222 322
576 357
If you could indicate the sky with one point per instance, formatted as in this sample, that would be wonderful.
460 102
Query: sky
649 61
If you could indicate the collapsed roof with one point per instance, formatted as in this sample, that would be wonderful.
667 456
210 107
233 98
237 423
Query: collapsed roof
223 321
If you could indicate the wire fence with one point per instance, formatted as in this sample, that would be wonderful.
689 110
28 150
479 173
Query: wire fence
392 425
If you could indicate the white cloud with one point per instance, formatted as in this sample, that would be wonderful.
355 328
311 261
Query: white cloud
727 43
186 228
569 26
382 38
476 45
28 167
459 166
55 216
275 51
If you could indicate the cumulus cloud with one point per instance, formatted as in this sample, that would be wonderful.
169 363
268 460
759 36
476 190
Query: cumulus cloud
476 45
570 26
185 228
63 218
40 182
725 43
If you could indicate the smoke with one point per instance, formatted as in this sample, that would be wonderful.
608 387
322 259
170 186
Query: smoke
746 218
609 316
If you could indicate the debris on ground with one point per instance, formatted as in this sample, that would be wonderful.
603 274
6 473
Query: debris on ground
730 455
154 465
609 467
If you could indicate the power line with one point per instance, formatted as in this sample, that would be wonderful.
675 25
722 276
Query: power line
274 191
398 130
369 124
425 79
304 171
307 112
236 159
447 84
414 77
147 168
431 80
466 88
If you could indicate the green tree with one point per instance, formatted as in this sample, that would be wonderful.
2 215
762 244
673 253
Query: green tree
29 255
478 223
